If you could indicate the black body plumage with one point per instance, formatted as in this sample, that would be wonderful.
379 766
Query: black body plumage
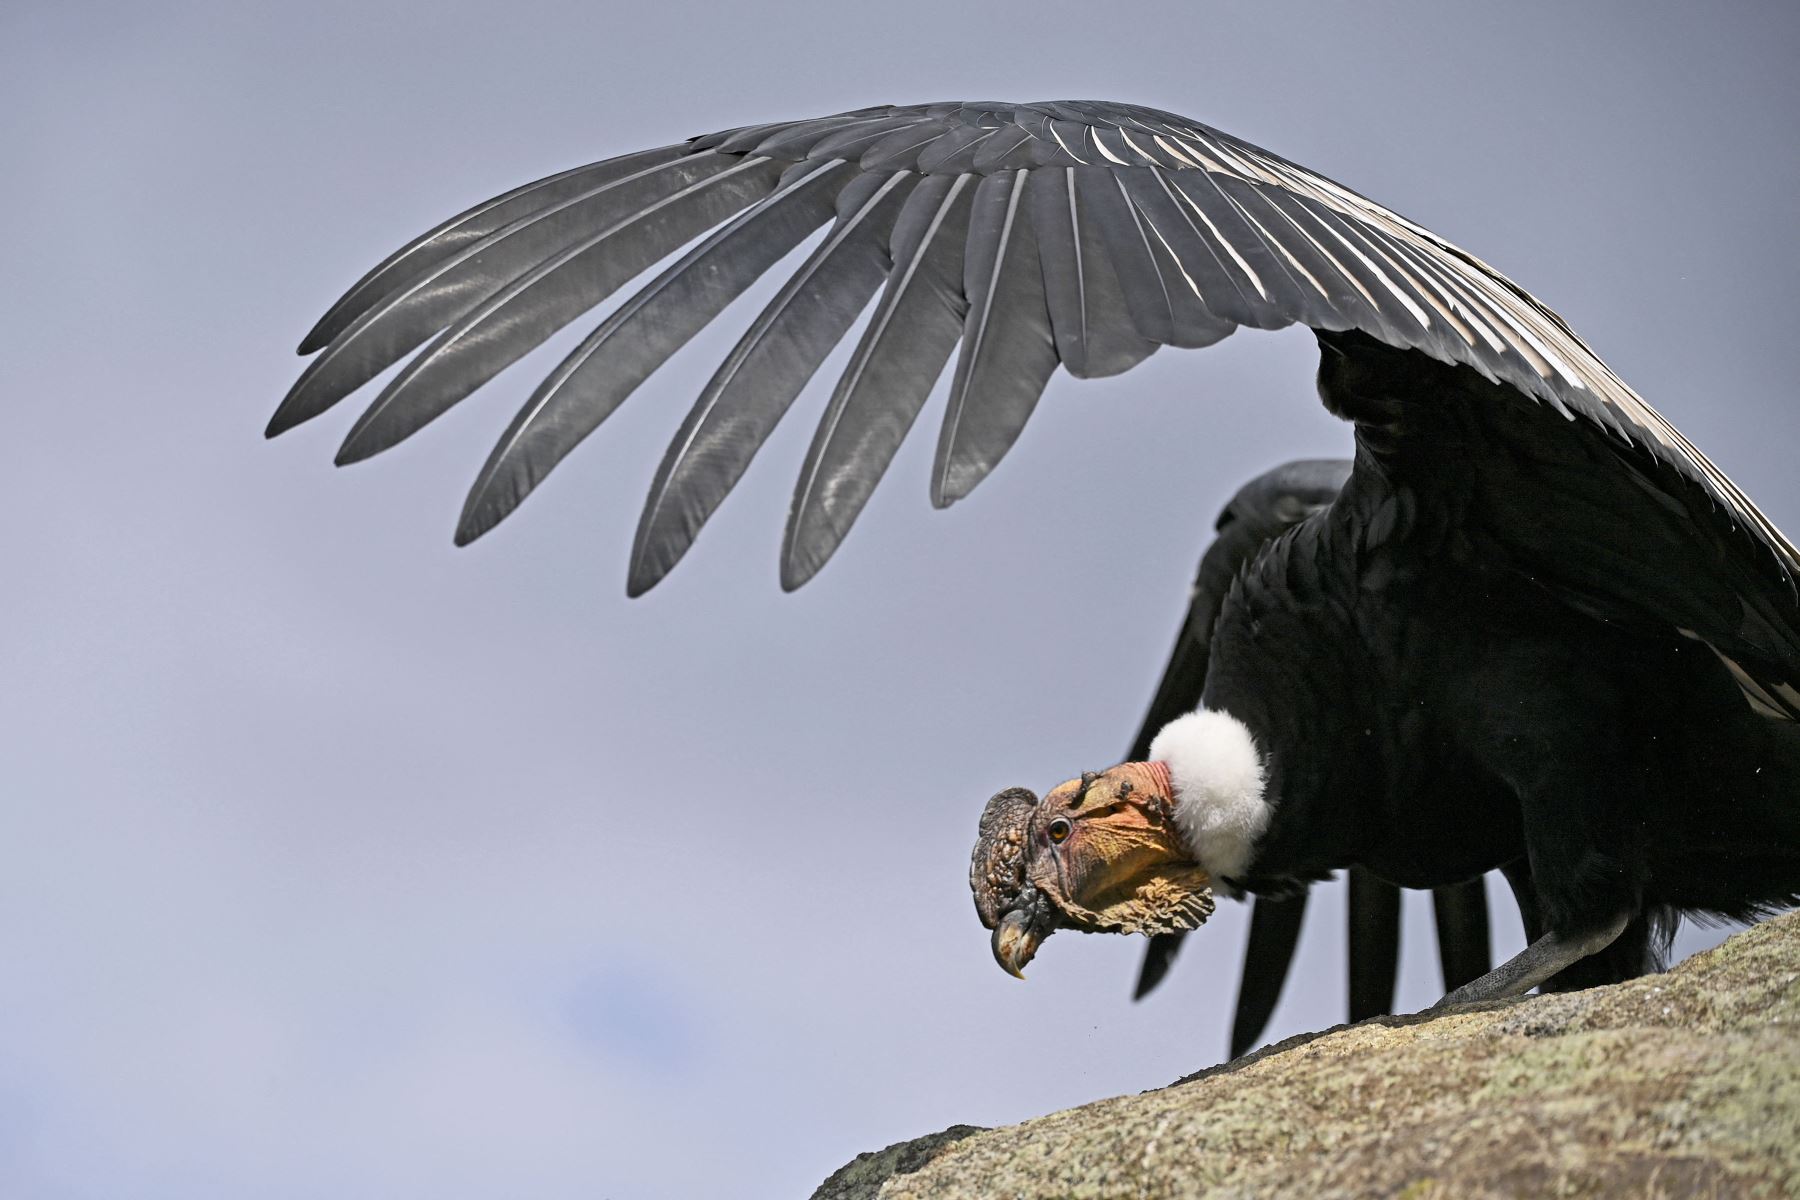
1525 554
1260 511
1583 688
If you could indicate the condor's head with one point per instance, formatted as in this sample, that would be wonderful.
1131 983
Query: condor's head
1101 854
1124 850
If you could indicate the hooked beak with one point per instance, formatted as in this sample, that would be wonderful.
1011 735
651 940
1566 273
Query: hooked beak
1022 929
1015 943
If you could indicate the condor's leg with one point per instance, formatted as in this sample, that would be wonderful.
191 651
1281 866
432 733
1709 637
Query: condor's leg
1583 794
1585 868
1538 962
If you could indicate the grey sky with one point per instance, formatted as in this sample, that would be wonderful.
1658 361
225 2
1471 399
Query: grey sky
338 862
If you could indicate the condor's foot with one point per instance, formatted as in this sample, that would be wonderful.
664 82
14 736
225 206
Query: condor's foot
1536 963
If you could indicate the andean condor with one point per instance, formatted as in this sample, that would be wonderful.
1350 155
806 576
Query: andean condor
1536 630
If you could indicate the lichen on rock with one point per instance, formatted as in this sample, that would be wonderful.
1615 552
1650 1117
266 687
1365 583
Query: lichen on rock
863 1176
1680 1084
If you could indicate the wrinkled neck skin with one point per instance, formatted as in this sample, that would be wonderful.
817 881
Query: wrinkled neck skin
1285 643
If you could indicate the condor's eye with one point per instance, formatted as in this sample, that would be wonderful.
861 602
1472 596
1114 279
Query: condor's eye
1060 829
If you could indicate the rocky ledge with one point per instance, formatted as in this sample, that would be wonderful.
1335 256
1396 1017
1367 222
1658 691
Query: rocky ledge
1675 1085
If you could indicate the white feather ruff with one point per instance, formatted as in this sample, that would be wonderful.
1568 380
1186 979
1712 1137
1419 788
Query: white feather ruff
1217 774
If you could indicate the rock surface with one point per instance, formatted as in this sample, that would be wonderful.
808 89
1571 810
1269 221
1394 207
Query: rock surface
1675 1085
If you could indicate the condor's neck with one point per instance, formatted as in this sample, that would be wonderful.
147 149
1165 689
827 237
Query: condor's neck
1288 662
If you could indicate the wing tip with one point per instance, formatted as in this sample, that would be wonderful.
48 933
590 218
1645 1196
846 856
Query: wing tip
641 579
946 490
306 399
463 537
472 524
807 545
1159 956
651 559
356 447
378 428
798 570
284 418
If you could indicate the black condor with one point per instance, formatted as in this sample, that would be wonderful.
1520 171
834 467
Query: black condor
1536 629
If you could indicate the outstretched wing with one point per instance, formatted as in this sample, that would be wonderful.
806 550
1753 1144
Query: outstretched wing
1080 233
1262 509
